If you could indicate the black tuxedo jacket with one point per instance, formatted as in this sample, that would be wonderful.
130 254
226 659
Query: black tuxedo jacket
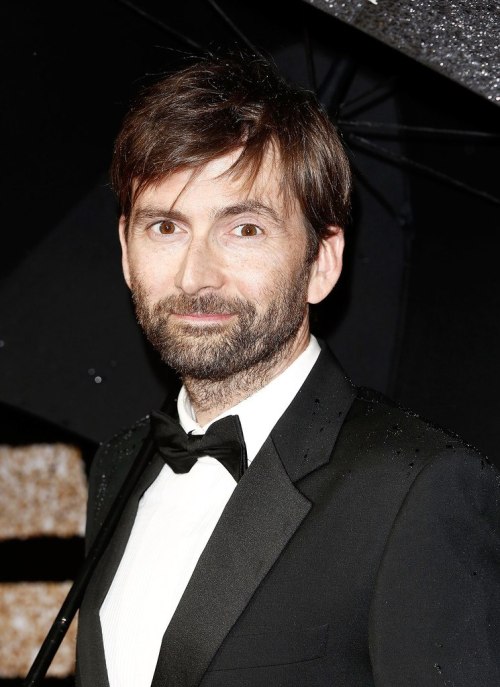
360 548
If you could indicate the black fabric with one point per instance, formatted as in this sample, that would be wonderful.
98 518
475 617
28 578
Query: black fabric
360 528
223 440
242 550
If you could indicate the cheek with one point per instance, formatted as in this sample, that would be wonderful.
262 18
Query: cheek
263 280
154 273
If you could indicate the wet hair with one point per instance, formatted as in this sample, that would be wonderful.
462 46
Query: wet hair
220 103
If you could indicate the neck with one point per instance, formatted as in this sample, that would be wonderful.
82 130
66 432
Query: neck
210 398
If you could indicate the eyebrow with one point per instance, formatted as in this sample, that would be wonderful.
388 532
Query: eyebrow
248 206
150 212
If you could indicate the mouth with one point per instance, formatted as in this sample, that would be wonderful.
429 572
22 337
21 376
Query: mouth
203 318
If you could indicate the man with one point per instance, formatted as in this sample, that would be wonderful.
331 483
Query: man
334 539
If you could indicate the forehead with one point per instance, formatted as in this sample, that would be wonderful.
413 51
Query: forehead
219 182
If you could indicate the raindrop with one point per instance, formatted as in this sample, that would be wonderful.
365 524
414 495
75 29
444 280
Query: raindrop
97 379
91 371
2 343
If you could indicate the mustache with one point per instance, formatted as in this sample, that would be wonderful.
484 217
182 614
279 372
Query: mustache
206 304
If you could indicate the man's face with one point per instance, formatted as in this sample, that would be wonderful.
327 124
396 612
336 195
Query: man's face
217 270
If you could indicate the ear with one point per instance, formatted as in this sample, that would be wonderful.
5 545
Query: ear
122 228
327 266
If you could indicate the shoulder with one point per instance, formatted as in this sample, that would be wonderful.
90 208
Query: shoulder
387 427
111 464
379 427
402 456
118 452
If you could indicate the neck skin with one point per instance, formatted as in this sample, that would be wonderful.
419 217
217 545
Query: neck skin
210 398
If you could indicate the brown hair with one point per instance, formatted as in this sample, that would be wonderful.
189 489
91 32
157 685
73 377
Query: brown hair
221 103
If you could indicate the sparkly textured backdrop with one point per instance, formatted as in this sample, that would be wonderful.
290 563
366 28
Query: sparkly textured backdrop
460 39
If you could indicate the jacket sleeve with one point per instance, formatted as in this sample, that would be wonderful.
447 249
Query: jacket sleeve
435 615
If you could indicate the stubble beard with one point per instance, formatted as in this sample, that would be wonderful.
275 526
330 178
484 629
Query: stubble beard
249 346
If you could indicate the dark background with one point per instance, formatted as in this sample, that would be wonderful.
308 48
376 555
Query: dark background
415 314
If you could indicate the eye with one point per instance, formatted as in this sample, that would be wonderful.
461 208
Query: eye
166 227
247 230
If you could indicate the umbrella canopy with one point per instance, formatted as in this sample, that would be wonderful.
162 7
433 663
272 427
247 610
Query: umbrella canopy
459 38
71 352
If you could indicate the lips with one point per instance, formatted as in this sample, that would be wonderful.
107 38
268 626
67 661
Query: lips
203 318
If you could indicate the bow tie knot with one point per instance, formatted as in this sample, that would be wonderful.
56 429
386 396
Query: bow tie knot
223 440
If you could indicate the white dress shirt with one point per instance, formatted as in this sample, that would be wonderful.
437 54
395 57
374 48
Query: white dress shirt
174 522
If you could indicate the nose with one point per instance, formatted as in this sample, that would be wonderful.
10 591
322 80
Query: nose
200 268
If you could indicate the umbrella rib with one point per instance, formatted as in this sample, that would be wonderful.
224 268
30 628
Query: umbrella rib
336 83
233 26
311 71
368 98
378 195
382 129
390 156
157 22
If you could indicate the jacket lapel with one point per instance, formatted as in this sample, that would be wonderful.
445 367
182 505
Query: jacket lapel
262 515
91 657
306 433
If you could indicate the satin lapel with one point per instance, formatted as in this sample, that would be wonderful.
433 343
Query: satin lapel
262 515
306 433
91 649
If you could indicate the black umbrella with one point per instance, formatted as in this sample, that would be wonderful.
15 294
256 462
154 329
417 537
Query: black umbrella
71 351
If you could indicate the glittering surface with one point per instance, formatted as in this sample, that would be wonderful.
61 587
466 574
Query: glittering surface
43 491
460 39
27 611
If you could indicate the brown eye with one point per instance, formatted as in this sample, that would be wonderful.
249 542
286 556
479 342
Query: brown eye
248 230
166 227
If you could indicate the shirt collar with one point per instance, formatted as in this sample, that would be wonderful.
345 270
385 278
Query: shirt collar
261 411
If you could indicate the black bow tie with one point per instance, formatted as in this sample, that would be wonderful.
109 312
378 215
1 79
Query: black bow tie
222 440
